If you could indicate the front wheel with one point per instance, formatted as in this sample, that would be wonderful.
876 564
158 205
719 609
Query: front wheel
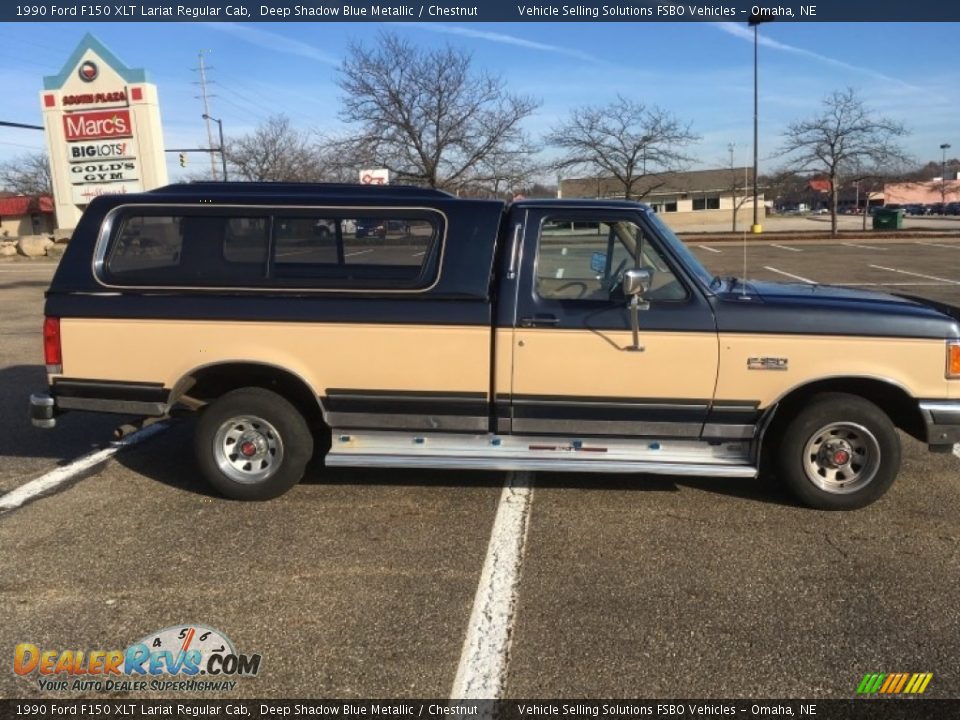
252 444
840 452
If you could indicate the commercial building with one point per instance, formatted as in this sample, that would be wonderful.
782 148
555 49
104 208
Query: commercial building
25 215
683 198
923 192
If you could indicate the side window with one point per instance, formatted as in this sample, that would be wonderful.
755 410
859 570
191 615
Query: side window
245 241
382 251
304 240
386 241
210 249
202 250
145 243
584 260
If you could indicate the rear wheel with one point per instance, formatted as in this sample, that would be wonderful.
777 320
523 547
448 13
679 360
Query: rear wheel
252 444
840 452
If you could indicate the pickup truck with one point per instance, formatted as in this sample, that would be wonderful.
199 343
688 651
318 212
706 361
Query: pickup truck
550 335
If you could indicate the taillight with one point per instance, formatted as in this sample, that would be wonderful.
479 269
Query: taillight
52 355
953 360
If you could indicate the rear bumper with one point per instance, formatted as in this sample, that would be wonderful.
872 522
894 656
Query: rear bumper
942 419
43 410
117 398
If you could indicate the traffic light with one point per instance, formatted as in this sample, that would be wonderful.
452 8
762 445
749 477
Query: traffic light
183 159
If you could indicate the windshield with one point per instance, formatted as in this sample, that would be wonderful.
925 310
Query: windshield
681 250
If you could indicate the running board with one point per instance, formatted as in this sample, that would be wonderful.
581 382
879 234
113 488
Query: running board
511 452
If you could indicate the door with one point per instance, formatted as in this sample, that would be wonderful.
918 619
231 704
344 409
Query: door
576 370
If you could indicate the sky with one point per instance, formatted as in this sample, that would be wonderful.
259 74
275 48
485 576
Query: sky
701 72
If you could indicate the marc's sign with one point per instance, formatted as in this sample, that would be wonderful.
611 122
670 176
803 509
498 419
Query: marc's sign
98 125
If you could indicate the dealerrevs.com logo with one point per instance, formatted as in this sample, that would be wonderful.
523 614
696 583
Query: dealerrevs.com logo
182 658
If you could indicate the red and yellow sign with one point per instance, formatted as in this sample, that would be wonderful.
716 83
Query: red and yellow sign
97 125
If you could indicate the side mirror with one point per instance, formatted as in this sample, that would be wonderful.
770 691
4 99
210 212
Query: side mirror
636 282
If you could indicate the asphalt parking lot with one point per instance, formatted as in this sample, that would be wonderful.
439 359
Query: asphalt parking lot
364 583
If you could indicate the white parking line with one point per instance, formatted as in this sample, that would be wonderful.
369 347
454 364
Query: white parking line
918 283
790 275
482 671
46 483
296 252
916 274
786 247
939 245
707 247
358 252
418 254
864 247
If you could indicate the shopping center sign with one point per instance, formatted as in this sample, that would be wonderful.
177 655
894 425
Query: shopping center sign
104 137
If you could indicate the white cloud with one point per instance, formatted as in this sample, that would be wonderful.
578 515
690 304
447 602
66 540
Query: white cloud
504 39
744 33
274 41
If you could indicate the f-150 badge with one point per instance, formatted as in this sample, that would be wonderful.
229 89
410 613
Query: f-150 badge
767 363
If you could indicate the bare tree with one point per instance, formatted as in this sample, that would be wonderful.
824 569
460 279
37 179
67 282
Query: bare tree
275 152
625 139
738 185
429 118
27 175
844 136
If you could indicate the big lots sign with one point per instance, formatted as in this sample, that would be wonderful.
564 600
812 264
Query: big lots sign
97 125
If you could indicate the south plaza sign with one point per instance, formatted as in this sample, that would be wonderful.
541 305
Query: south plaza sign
102 123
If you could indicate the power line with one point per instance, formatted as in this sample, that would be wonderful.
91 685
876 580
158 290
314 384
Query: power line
299 98
20 125
244 98
256 115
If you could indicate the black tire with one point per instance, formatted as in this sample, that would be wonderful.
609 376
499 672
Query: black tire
276 434
830 428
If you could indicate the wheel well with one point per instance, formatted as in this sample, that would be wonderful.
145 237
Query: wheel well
902 409
208 383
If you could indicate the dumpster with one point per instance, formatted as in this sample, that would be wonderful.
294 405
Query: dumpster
886 219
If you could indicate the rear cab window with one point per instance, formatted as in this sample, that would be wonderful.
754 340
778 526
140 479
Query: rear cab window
154 246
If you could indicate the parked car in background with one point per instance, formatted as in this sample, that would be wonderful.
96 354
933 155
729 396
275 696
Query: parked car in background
381 228
914 209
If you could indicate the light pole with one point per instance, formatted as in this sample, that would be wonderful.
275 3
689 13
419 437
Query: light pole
943 172
753 22
223 157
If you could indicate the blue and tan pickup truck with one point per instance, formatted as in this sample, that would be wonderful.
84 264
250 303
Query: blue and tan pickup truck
405 327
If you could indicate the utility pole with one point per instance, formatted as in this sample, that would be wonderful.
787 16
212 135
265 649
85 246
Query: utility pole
733 187
753 22
943 172
206 111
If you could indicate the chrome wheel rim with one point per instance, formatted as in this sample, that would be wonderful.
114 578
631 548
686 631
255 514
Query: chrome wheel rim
841 458
248 449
